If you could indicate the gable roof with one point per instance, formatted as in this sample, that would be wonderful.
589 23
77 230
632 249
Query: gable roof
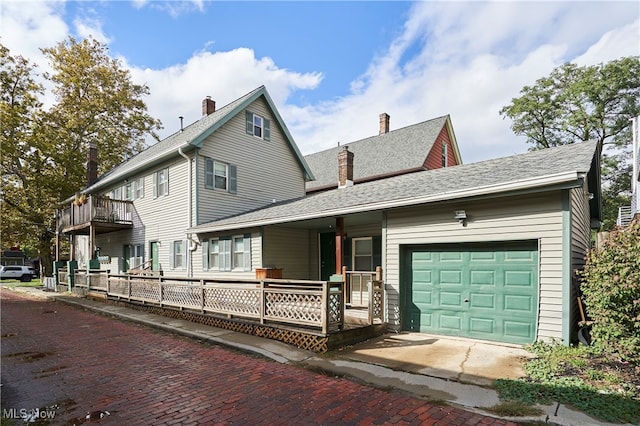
564 167
379 155
192 136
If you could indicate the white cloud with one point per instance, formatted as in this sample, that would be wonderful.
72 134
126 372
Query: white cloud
27 27
225 76
468 60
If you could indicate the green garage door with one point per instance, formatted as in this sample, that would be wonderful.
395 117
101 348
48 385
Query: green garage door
480 291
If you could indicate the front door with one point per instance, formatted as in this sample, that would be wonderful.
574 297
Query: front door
126 255
327 255
155 266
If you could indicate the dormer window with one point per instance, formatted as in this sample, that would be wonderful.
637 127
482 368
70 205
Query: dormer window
258 126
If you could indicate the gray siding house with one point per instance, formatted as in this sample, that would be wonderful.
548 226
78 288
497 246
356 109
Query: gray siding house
486 250
237 158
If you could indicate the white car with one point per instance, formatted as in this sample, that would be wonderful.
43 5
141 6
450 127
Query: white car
17 272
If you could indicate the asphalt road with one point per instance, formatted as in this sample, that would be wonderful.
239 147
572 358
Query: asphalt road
62 365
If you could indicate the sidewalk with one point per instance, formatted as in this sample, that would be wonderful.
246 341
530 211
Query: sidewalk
457 371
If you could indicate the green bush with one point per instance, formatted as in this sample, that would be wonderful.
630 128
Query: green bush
611 292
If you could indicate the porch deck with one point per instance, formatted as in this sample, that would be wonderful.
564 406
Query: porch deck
307 314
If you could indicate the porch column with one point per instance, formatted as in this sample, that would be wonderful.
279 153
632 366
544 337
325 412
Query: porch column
339 244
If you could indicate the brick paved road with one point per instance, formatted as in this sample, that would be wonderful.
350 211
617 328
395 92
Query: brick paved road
57 357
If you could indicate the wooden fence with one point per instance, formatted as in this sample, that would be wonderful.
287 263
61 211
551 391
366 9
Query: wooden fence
312 304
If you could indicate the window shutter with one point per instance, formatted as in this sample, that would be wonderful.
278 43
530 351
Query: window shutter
233 180
166 179
247 252
208 173
346 258
171 255
185 250
155 184
249 120
376 243
205 255
267 130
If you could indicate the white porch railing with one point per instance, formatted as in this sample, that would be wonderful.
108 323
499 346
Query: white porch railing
625 215
315 304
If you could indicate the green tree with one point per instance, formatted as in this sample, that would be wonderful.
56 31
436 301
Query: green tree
575 104
44 151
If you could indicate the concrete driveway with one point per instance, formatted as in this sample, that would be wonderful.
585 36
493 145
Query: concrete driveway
463 360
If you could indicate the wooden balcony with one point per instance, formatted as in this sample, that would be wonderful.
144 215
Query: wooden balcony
100 213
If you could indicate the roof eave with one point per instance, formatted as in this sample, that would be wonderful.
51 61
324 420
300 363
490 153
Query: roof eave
570 179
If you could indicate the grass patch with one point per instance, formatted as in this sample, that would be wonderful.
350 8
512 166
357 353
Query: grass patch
36 282
585 378
515 409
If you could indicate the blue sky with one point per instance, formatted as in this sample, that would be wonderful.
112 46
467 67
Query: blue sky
332 67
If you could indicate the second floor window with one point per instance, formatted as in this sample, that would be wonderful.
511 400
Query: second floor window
219 175
161 183
258 126
138 188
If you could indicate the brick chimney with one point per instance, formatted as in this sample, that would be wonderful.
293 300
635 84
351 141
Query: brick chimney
345 167
92 163
208 106
384 123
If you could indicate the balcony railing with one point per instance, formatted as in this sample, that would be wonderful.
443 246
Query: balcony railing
97 209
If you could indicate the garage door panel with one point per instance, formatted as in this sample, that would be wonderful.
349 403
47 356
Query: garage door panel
518 330
482 277
519 278
481 291
482 325
422 276
482 301
450 256
450 299
450 277
515 303
452 323
482 256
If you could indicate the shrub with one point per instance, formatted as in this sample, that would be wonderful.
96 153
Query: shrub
611 291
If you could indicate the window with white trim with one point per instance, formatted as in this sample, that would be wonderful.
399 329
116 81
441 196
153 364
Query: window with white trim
445 154
116 194
214 254
362 250
178 258
258 126
161 183
227 253
128 191
138 188
219 175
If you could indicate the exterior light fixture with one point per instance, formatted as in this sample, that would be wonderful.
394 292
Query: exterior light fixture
460 216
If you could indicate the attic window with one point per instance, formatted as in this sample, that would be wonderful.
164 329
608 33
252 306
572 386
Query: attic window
445 154
258 126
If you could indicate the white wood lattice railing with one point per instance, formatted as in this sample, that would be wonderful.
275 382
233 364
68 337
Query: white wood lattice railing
315 304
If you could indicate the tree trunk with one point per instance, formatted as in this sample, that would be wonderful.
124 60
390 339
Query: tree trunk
44 249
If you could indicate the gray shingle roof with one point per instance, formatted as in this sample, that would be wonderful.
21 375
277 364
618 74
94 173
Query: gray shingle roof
378 155
192 136
524 171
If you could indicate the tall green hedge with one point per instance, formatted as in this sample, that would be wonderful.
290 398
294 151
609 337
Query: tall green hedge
611 292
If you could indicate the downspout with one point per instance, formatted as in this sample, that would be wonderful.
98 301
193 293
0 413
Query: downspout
193 245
